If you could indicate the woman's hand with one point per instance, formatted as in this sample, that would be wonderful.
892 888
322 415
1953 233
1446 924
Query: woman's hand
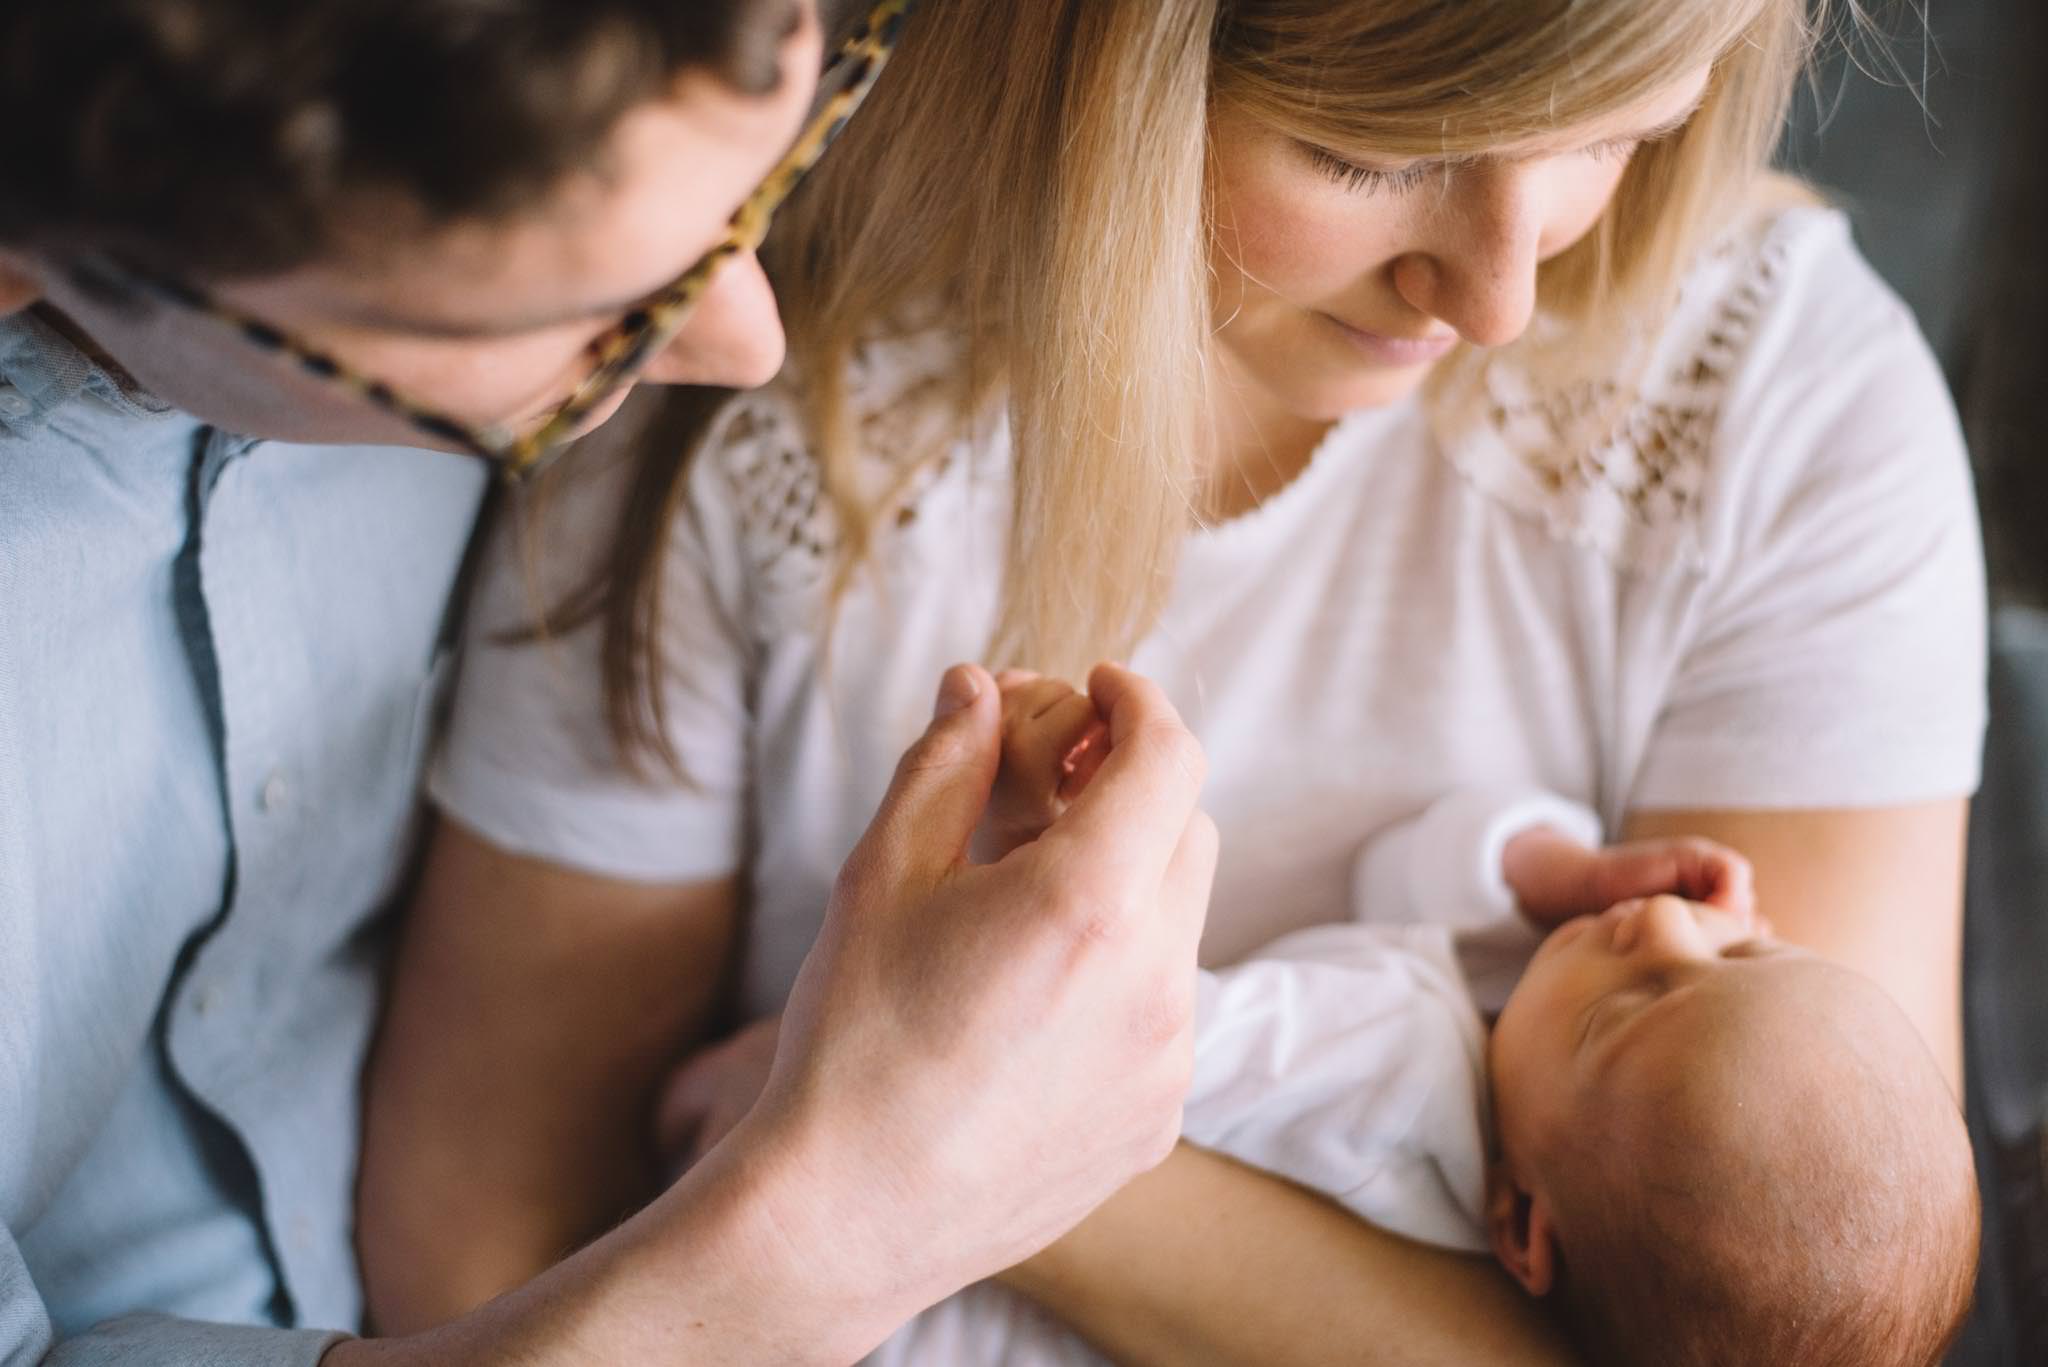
710 1091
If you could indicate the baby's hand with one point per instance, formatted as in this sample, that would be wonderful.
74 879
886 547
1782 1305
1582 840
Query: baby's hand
1053 742
1555 878
711 1091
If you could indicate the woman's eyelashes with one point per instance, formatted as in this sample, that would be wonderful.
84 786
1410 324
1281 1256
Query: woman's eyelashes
1371 180
1366 179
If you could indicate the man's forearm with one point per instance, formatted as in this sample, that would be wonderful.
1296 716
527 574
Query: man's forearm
1204 1263
758 1255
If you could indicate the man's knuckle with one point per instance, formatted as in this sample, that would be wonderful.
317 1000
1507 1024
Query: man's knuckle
935 750
862 873
1175 746
1161 1019
1082 915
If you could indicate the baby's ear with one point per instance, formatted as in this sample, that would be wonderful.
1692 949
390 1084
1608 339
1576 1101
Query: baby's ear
1518 1224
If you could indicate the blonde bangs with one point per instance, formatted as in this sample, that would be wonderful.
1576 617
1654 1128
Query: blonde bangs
1425 79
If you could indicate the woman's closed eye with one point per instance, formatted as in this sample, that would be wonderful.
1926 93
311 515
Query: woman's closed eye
1400 180
1368 179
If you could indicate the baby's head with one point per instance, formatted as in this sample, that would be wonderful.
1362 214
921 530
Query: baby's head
1717 1148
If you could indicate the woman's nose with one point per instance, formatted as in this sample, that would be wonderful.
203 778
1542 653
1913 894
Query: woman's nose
1477 271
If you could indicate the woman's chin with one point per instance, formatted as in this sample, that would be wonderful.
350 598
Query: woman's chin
1379 388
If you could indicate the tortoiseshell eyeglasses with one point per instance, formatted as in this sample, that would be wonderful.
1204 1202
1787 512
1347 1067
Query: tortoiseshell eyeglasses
618 355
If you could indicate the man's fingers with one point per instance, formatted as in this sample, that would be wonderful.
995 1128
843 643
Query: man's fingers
1134 812
1184 895
920 831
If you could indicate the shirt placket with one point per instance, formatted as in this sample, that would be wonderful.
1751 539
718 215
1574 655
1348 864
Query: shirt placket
221 998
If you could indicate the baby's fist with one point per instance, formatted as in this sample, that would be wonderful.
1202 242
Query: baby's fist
1554 878
1053 742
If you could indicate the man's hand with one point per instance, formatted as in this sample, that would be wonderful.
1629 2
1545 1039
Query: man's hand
975 1056
1554 878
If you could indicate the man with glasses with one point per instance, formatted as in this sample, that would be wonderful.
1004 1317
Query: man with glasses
253 258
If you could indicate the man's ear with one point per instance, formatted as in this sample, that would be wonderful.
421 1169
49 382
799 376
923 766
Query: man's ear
18 289
1519 1225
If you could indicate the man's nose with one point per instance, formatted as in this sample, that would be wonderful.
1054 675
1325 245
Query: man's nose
733 337
1477 271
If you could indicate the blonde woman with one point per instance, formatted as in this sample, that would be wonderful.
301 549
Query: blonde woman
1428 395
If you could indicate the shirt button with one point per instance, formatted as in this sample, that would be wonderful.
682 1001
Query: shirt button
203 1000
275 794
13 403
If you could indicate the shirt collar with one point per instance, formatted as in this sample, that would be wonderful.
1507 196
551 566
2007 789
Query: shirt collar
42 370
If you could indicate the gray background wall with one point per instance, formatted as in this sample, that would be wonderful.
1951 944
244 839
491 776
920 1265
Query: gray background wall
1947 183
1910 165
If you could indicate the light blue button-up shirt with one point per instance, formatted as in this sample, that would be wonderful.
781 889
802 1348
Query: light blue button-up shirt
219 662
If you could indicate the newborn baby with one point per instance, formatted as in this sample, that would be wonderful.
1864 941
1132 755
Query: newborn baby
1707 1146
1713 1147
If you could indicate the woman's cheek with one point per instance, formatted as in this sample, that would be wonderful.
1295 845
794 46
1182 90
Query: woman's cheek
1308 240
1589 196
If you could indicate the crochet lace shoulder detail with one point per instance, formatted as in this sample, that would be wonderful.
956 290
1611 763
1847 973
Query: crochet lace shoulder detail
1624 467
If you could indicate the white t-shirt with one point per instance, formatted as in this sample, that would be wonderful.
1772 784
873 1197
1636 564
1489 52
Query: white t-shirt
1767 594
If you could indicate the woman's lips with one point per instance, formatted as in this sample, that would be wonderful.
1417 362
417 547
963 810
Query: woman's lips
1396 352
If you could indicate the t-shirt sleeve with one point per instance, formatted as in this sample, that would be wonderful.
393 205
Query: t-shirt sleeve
1444 866
529 762
1838 655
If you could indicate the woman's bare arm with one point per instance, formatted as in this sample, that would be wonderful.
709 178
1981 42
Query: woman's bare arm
1206 1263
1880 890
533 1012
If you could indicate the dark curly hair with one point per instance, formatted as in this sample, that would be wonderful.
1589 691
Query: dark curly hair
219 136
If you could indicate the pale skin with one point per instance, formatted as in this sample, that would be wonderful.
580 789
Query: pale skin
1880 890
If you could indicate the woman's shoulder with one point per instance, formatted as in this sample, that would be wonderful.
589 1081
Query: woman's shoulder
1783 348
760 468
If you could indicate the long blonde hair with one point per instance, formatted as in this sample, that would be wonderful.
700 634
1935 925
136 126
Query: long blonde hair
1039 172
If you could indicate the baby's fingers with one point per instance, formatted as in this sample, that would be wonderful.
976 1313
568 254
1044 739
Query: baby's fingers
1082 759
1720 877
1049 729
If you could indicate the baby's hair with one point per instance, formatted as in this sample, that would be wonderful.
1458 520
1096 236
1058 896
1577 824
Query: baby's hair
1834 1228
